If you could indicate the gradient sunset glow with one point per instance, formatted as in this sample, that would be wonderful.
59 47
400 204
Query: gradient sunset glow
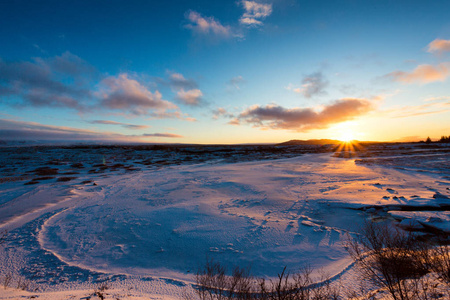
224 71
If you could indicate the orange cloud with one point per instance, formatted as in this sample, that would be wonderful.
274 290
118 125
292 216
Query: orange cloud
439 46
423 74
303 119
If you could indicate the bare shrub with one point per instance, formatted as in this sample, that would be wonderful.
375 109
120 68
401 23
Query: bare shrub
100 294
102 287
22 283
391 259
240 284
440 262
100 290
7 280
297 286
213 283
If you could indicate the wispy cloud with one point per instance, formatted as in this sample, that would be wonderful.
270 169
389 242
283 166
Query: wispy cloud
125 125
164 135
221 112
439 46
312 85
201 25
19 130
422 74
434 99
72 65
211 28
435 106
236 82
303 119
178 81
254 12
172 115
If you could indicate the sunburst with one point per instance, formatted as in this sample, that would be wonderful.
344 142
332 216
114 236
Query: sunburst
348 146
347 136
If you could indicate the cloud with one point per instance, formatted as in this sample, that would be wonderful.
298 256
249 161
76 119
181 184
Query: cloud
234 121
166 135
125 125
254 13
19 130
312 85
172 115
439 46
187 91
303 119
207 26
221 112
67 81
435 106
44 82
123 93
201 26
235 82
71 64
422 74
177 81
434 99
190 97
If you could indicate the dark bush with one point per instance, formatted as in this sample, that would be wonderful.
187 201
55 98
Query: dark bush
391 258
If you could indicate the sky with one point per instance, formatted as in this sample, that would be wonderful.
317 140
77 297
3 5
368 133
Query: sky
224 72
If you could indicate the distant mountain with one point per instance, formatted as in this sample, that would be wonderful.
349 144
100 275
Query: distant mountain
309 142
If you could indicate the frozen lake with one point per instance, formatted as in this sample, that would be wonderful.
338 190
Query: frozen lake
81 215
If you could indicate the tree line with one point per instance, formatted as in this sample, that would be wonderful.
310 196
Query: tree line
444 139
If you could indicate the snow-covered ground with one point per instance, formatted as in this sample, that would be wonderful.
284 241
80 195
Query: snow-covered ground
86 218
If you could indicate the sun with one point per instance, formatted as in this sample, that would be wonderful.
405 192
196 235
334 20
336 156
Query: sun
347 136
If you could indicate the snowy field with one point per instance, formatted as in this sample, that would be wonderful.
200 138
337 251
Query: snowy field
143 220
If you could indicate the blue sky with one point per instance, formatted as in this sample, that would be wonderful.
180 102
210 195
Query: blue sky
224 71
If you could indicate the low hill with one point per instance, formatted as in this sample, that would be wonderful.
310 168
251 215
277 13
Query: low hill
309 142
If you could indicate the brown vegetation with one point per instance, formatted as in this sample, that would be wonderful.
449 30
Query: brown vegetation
394 261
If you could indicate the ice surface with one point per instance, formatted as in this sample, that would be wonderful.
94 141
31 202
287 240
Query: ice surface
155 226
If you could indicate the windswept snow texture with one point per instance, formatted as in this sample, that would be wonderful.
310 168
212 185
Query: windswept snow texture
117 216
